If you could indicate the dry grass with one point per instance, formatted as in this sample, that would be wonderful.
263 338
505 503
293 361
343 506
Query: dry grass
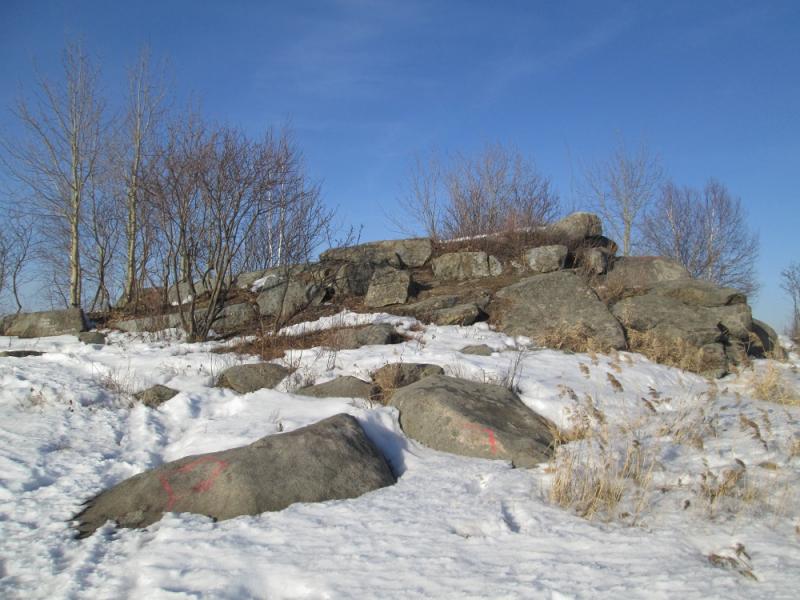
771 385
574 338
601 478
674 352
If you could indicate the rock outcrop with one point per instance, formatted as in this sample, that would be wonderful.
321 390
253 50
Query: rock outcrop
329 460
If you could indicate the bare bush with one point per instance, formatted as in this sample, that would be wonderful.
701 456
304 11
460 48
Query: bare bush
462 196
707 232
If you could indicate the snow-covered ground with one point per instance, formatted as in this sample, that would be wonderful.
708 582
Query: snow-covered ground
451 527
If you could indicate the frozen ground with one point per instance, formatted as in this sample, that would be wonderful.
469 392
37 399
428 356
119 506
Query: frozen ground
451 527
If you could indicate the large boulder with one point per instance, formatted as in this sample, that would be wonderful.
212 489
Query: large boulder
473 419
341 387
573 229
707 327
45 323
543 305
353 278
181 293
632 272
248 279
329 460
465 265
546 258
388 286
399 254
251 377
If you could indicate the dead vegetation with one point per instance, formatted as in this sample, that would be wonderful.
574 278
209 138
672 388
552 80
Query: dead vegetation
574 338
674 352
771 385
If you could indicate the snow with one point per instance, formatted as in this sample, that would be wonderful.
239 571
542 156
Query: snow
452 527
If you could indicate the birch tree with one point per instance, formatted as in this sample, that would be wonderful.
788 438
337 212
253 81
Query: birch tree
58 152
620 189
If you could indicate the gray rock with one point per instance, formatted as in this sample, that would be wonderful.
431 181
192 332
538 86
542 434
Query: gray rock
574 228
341 387
768 339
155 396
45 323
249 378
539 304
329 460
388 286
594 260
370 335
696 292
149 324
411 253
634 272
352 279
92 337
477 350
473 419
461 314
397 375
20 353
235 318
182 292
465 265
546 258
288 297
245 281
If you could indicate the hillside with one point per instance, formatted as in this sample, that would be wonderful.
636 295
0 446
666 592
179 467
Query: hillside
710 508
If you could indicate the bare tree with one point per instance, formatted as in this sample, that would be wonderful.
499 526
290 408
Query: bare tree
59 153
134 150
497 190
706 231
620 188
791 284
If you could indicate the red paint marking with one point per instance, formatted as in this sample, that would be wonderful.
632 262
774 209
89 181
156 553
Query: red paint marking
202 486
488 431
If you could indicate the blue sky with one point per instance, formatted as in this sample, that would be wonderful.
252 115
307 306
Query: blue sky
713 87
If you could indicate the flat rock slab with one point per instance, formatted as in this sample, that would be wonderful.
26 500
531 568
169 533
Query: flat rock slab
551 301
44 324
634 272
329 460
249 378
156 395
341 387
473 419
149 324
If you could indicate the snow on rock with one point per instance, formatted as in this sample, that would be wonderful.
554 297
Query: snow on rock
451 527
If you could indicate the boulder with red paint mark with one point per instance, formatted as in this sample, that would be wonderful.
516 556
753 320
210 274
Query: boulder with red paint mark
329 460
473 419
